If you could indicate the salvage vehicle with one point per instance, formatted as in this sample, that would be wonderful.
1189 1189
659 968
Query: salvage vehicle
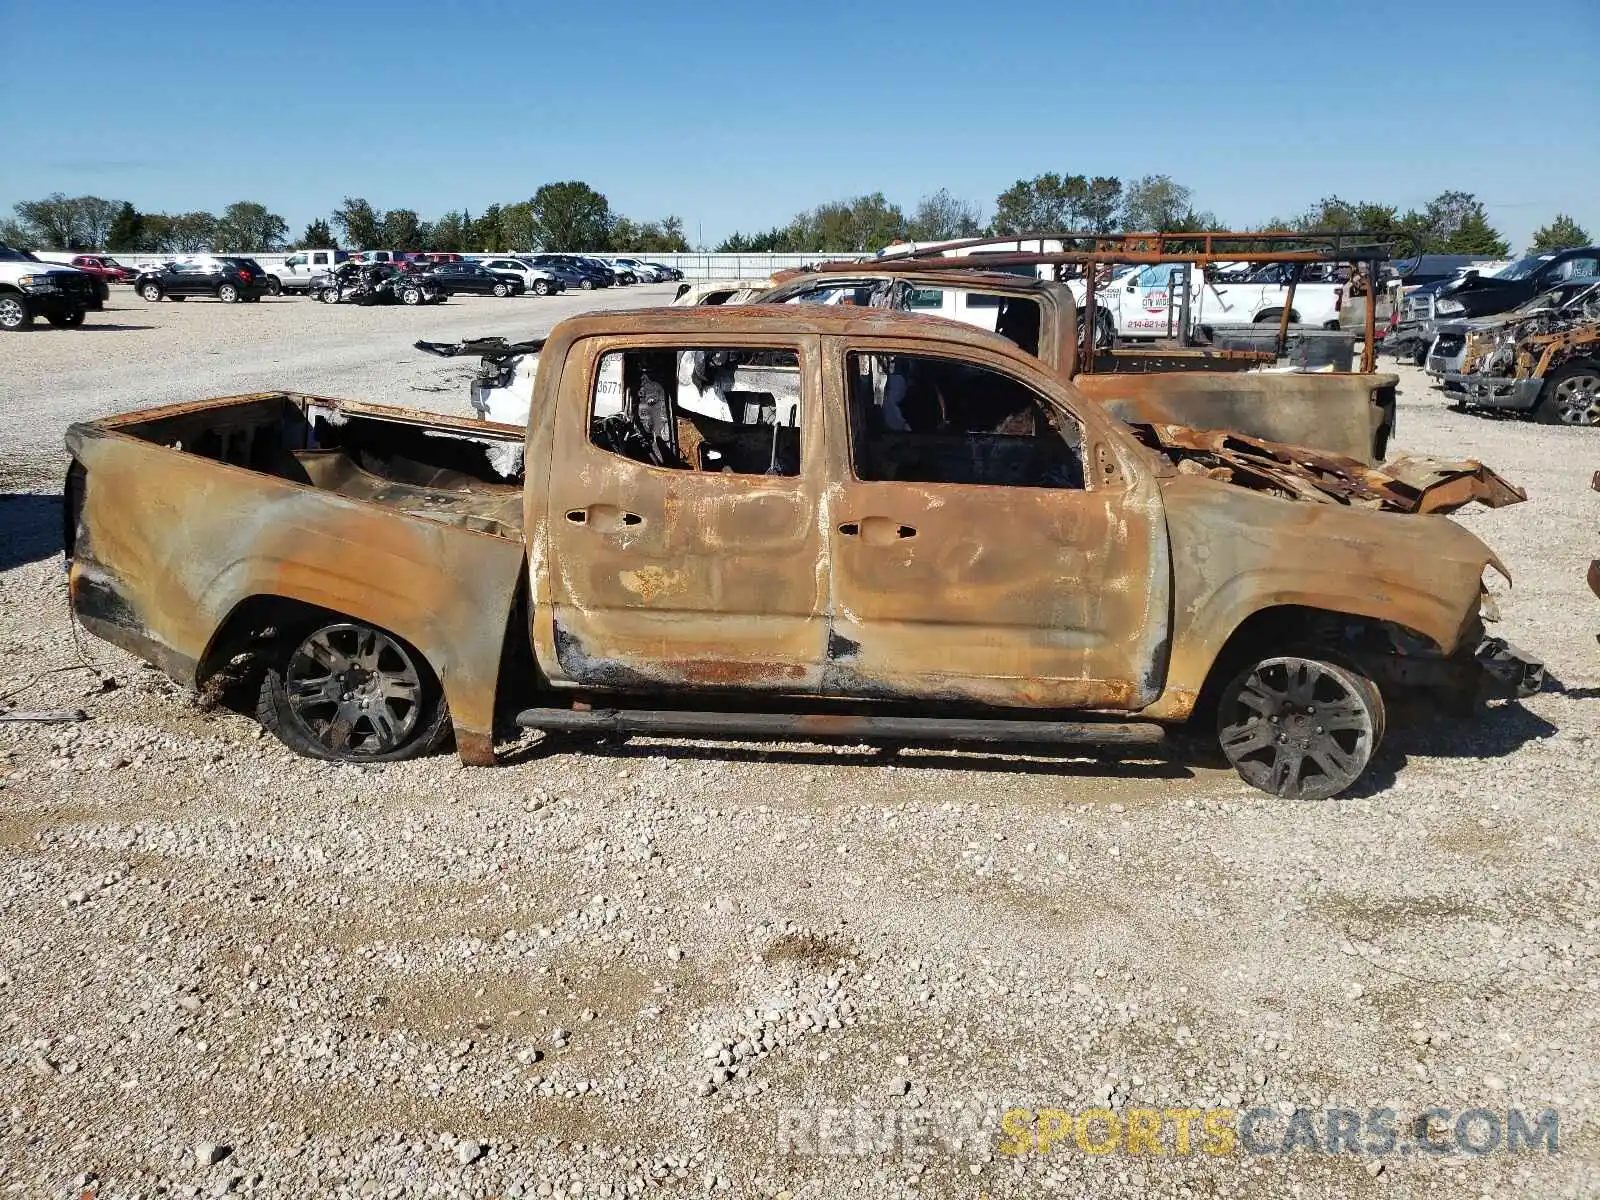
297 271
30 289
230 278
375 283
1547 362
1475 295
1349 414
721 291
907 529
1447 353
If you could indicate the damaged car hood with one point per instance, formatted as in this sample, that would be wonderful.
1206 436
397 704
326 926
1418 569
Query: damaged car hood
1403 485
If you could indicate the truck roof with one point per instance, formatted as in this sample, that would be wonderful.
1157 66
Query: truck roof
823 319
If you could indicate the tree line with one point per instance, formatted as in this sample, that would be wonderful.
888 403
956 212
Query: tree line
559 216
1453 222
573 216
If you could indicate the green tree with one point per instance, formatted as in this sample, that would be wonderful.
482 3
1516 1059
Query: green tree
158 236
941 217
1476 236
650 237
516 223
127 231
486 232
360 223
1563 233
449 233
400 229
248 227
192 232
571 216
1157 203
97 215
53 223
15 234
318 236
1052 203
1455 223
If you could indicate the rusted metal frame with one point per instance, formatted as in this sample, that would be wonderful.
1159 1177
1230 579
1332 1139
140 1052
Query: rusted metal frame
740 725
1288 309
1343 244
1369 339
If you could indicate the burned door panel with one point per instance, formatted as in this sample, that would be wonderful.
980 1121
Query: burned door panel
683 542
971 566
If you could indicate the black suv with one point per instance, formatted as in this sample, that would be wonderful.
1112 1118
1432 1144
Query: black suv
458 277
228 277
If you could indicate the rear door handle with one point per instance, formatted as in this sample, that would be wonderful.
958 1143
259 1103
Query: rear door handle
878 531
603 516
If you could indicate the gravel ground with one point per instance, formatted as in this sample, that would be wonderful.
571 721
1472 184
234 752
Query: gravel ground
651 968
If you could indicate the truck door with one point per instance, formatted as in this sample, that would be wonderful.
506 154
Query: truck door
973 557
681 549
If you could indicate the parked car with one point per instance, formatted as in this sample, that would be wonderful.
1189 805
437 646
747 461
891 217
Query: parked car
619 274
228 277
666 273
535 279
98 265
642 272
590 274
563 273
297 271
28 289
457 277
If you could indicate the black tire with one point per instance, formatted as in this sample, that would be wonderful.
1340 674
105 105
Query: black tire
1570 396
1273 315
587 285
15 312
541 288
151 292
227 293
323 699
274 286
411 295
502 290
66 320
1282 713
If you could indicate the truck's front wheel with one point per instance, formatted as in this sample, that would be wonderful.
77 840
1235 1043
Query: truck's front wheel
1300 728
14 312
352 693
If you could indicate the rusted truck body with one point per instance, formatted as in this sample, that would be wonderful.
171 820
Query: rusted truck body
899 528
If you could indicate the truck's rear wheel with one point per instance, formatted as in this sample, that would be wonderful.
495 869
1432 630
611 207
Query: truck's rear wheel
1300 728
353 693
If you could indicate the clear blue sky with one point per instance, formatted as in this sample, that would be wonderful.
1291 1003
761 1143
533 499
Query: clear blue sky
737 115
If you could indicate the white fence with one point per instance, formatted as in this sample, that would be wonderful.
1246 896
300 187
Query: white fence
693 266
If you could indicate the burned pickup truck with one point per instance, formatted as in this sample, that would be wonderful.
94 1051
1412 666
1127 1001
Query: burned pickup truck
896 528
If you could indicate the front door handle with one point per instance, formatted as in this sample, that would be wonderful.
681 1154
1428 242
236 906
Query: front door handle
878 531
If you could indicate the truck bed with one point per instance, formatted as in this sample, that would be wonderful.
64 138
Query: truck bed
457 472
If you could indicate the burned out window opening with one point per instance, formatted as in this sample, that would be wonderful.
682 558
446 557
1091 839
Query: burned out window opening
925 419
733 410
